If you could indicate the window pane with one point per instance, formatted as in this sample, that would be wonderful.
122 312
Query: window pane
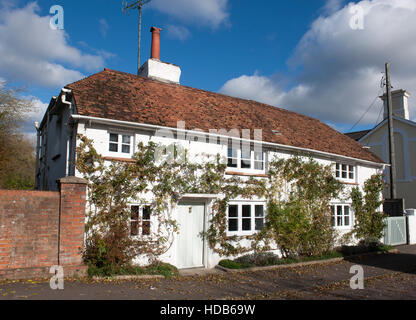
233 211
258 156
232 225
258 165
232 163
113 147
259 224
339 221
344 167
113 137
246 224
259 211
339 210
146 228
135 213
344 174
146 213
134 228
351 172
126 139
246 154
232 153
125 148
247 211
347 210
245 164
346 221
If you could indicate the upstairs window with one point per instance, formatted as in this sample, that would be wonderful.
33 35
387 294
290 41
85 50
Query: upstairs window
345 172
120 143
341 216
140 222
246 160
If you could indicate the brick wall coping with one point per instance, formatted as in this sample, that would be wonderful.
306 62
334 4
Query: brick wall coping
72 180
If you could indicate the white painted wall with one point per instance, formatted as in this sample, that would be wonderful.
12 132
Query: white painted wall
100 135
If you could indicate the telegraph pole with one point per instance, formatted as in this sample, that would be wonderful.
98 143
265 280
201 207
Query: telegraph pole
393 192
136 5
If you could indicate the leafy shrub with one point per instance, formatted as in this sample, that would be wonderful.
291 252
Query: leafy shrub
230 264
109 252
299 220
165 269
258 259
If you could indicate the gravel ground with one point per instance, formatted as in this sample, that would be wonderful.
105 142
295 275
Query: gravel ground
387 276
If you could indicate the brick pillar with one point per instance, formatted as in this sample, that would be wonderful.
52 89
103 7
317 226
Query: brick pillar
72 220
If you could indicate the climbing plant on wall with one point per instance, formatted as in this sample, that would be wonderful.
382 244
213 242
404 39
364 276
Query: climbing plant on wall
297 190
370 220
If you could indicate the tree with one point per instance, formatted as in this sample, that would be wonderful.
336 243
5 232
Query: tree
17 159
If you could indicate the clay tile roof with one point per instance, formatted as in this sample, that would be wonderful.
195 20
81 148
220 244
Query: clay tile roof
122 96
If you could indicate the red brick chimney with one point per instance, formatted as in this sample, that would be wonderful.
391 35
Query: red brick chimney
155 54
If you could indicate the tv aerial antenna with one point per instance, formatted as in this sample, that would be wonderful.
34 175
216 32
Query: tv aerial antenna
133 5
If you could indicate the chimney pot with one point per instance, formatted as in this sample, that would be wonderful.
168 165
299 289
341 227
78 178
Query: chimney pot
155 53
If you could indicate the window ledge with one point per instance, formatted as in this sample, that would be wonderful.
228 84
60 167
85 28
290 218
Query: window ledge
115 159
243 174
350 183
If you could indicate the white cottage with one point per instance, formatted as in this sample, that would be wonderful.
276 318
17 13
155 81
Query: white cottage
118 110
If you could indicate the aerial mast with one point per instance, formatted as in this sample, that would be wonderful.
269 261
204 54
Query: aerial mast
127 6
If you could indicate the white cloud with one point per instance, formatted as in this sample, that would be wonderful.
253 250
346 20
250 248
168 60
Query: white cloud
211 13
340 68
177 32
31 51
258 88
28 126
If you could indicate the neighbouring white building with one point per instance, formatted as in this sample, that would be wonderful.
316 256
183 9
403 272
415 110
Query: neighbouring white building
376 139
118 110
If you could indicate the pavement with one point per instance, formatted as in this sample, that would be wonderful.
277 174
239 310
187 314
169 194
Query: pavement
387 276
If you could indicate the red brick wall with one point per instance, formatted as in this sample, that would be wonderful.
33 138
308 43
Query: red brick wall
38 227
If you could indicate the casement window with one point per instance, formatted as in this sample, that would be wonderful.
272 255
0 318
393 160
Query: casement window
341 216
140 220
246 159
345 172
120 143
245 218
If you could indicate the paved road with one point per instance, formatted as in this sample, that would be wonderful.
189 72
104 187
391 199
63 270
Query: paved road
389 276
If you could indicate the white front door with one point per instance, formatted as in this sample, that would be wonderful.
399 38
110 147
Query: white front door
190 245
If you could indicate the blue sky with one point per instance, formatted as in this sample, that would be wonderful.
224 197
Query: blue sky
300 55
